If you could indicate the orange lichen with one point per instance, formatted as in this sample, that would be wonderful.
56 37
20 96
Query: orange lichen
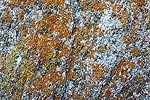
131 64
135 52
48 2
108 93
59 43
139 2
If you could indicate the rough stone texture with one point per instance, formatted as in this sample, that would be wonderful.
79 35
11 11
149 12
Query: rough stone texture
74 49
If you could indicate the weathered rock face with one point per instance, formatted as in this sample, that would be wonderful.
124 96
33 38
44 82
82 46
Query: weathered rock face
74 49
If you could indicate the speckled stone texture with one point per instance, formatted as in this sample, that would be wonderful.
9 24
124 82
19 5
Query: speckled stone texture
74 50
